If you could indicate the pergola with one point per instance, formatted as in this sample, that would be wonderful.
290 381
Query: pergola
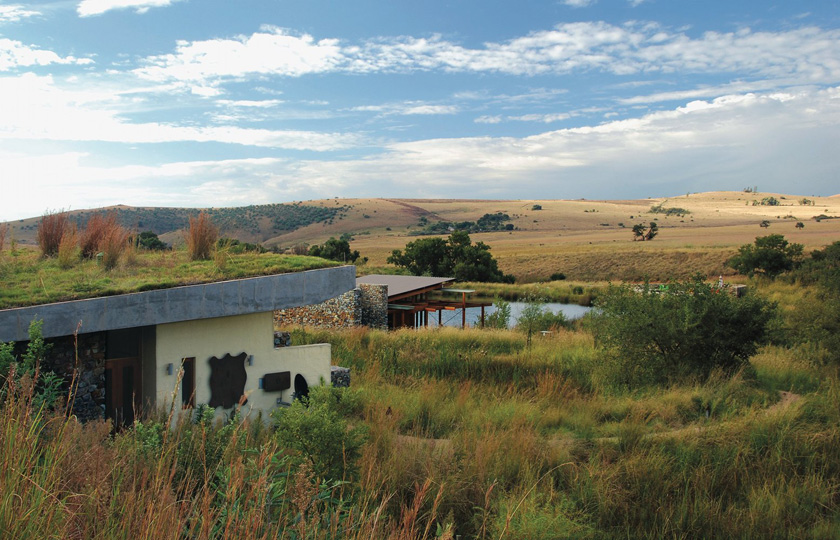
409 303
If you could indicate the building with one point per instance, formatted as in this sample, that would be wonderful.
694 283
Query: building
128 350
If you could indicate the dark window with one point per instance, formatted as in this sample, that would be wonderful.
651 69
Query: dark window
188 384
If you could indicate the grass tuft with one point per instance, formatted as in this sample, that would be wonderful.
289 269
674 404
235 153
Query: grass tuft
201 237
51 229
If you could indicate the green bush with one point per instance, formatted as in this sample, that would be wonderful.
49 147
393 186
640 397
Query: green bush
501 317
770 256
315 431
687 330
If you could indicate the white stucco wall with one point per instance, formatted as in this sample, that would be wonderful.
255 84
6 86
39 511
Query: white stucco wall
252 334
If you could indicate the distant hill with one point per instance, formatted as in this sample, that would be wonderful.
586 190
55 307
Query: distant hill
532 239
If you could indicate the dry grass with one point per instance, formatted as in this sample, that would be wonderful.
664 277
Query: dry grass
201 237
51 229
98 228
4 230
115 242
68 248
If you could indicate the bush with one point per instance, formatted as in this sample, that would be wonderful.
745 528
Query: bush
201 237
770 256
51 229
685 331
314 429
558 276
501 317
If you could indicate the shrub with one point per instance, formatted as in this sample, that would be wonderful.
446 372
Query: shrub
51 228
201 237
558 276
97 228
686 330
315 430
770 255
501 317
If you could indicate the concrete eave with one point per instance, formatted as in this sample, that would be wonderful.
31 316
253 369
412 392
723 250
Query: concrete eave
191 302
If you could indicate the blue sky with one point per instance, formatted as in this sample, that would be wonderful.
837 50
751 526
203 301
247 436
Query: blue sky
222 103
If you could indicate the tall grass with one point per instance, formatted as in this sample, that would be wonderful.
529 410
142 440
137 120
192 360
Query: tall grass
51 229
4 230
201 237
68 248
98 228
114 244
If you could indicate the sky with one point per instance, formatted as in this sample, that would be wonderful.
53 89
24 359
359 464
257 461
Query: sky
203 103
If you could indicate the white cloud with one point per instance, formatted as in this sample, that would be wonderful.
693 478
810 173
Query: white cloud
87 8
14 13
578 3
45 111
407 108
14 54
272 51
807 54
533 117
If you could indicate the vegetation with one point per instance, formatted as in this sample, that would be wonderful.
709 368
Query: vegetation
640 233
486 223
201 237
687 329
30 280
769 256
673 211
280 217
449 432
150 241
51 229
456 257
335 250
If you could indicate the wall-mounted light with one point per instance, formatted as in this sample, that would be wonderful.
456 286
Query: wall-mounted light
250 359
169 369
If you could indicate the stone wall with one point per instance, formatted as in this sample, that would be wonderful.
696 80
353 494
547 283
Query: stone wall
343 311
366 305
61 359
374 300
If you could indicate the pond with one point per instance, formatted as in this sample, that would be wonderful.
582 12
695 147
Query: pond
453 318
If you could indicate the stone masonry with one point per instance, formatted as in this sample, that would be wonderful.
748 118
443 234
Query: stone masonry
89 400
366 305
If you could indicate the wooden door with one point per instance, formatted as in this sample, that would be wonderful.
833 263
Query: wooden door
122 390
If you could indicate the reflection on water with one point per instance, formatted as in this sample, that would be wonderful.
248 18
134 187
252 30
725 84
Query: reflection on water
453 318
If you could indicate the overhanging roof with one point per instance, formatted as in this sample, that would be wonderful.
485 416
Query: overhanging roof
402 286
206 301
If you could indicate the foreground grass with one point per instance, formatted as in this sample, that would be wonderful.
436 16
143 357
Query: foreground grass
470 432
29 279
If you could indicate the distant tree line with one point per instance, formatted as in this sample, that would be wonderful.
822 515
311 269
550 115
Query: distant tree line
486 223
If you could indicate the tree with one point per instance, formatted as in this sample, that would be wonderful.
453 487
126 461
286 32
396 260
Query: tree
640 232
149 240
336 249
457 257
686 331
769 255
764 224
800 225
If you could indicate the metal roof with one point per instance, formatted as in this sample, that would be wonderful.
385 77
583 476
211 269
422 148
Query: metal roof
403 285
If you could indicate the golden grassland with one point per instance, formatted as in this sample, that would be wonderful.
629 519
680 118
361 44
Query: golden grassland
584 239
